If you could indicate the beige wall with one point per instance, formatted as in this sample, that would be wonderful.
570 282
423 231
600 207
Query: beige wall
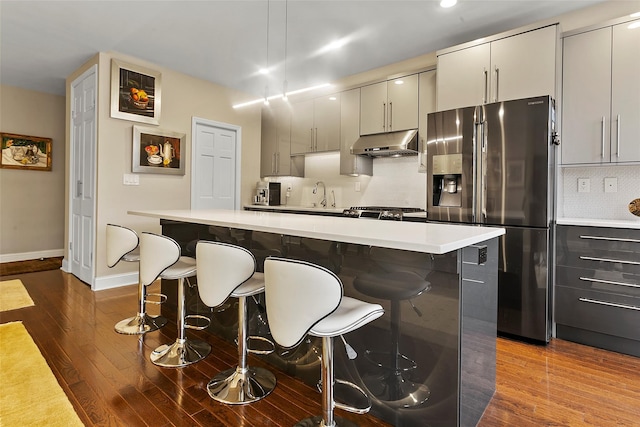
183 97
32 202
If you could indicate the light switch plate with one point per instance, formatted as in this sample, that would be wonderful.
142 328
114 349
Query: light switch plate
584 185
130 179
611 185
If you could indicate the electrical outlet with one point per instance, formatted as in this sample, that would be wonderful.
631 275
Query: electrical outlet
584 185
611 185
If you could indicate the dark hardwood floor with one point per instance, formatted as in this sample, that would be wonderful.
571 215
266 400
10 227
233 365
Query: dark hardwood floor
111 382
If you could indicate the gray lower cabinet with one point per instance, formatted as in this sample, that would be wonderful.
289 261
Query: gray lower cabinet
597 288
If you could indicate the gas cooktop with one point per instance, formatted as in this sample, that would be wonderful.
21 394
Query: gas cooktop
379 212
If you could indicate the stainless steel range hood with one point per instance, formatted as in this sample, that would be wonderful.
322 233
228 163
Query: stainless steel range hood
391 144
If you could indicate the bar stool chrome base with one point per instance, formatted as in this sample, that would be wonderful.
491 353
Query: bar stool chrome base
181 353
396 391
237 386
140 324
318 422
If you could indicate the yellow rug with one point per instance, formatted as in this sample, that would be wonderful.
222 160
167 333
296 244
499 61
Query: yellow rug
31 395
13 295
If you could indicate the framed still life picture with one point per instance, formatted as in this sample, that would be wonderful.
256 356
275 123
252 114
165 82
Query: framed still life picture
158 151
25 152
135 93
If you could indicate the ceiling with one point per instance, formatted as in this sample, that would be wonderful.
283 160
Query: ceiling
225 42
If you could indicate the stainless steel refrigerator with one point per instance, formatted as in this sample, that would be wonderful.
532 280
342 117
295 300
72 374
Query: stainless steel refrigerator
494 164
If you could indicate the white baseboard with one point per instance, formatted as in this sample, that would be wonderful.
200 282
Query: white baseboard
24 256
114 281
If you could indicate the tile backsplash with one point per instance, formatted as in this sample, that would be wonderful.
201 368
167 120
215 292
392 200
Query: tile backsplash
598 204
395 182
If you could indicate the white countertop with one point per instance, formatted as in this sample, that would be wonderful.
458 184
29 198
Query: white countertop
411 236
613 223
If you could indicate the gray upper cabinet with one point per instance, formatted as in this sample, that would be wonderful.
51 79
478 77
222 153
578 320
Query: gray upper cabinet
511 66
389 106
349 133
275 156
315 125
601 96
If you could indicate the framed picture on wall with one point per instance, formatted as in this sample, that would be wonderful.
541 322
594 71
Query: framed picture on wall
135 93
25 152
158 151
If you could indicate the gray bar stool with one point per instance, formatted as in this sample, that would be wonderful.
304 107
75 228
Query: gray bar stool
225 271
304 298
122 245
160 258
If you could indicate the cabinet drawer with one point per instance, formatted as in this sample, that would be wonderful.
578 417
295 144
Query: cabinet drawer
599 248
615 282
599 312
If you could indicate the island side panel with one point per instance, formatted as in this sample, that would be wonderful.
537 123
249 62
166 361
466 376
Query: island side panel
478 308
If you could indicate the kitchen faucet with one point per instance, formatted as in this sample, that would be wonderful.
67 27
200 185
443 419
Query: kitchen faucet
323 203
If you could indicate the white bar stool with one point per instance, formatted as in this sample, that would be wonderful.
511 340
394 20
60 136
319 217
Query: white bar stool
225 271
122 245
160 258
304 298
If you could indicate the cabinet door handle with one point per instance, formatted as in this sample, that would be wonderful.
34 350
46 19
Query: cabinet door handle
390 115
384 115
486 86
611 304
310 139
589 258
609 239
497 84
609 282
273 163
603 129
79 188
618 136
315 141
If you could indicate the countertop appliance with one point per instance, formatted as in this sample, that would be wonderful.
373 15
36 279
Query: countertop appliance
495 164
379 212
267 193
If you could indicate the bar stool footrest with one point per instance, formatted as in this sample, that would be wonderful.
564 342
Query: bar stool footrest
196 317
381 360
270 344
162 298
356 393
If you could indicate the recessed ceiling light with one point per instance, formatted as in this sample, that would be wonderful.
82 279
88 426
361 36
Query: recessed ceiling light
448 3
263 71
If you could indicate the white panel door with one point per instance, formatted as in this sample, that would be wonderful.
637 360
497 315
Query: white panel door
82 176
216 167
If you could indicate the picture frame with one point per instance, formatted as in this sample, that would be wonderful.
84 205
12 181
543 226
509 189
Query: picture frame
136 93
25 152
158 151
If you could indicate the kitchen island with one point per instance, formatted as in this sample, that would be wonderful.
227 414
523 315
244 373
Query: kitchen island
430 360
